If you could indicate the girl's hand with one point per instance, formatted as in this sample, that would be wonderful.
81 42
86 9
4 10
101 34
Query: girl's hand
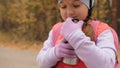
64 50
69 27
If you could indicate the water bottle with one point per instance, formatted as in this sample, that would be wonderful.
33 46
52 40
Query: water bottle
70 61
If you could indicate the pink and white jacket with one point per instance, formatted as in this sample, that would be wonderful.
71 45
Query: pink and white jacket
99 54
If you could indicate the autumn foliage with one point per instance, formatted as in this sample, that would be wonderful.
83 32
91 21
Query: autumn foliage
33 19
29 19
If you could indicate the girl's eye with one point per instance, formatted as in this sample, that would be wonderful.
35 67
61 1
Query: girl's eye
76 6
63 7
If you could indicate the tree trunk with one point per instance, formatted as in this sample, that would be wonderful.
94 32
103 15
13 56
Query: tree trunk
118 18
114 14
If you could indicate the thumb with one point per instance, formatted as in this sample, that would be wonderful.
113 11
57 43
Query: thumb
80 23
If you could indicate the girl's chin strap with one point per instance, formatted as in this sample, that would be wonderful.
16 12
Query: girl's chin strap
89 13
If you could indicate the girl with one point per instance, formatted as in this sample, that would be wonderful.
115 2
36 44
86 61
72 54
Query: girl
84 44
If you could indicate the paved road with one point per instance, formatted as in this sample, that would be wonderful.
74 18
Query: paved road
17 58
10 58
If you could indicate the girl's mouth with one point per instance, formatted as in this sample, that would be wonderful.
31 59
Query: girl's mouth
75 20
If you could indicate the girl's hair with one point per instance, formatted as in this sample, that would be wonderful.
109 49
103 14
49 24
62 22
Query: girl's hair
88 30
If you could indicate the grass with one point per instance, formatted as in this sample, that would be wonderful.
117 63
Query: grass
8 40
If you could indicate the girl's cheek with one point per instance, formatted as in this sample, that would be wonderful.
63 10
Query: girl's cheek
63 15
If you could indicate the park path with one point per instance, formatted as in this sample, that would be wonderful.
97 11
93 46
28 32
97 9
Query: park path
11 58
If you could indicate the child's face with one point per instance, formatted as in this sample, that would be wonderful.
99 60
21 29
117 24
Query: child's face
74 9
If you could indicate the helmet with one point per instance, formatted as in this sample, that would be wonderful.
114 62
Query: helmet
88 3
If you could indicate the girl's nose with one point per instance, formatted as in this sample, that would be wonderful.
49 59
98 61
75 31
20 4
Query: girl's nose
70 13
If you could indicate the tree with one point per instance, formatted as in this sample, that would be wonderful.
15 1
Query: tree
114 14
102 10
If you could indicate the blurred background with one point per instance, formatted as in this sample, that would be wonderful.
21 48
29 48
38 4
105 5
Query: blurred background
25 24
31 20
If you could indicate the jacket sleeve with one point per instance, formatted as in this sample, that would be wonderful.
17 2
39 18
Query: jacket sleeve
46 57
95 55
